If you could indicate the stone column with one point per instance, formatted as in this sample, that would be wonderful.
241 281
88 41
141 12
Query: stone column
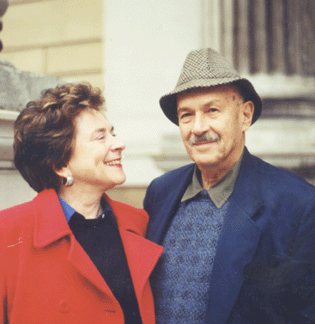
266 36
3 7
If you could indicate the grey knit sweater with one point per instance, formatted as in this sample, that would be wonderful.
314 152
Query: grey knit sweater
181 280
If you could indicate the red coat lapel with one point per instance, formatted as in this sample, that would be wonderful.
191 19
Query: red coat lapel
50 221
51 225
142 254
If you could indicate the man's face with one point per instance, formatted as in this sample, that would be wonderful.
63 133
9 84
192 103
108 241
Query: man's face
212 123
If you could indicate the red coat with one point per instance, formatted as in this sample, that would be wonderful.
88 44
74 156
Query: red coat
46 276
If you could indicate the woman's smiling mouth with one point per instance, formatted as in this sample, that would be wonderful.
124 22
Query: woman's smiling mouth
114 162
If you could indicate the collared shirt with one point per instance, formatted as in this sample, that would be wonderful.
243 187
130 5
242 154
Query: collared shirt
220 192
69 211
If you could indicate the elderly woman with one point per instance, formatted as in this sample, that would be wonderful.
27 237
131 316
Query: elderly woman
73 255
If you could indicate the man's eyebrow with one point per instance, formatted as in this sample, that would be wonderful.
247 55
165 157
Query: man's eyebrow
209 103
212 102
183 109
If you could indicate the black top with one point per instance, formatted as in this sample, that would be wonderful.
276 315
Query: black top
100 239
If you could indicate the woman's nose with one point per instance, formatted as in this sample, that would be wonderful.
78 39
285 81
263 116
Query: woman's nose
118 144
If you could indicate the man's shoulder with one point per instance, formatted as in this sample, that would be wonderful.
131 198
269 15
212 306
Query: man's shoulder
277 179
169 184
176 174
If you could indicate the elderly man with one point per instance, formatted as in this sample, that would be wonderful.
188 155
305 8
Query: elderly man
238 233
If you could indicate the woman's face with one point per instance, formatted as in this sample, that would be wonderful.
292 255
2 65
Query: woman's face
96 156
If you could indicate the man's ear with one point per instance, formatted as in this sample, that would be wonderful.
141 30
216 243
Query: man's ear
247 114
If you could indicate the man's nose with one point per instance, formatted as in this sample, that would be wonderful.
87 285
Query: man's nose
200 125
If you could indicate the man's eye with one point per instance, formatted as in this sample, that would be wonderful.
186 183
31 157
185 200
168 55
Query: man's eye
100 137
186 115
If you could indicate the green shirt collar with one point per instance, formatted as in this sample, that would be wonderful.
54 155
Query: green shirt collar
220 192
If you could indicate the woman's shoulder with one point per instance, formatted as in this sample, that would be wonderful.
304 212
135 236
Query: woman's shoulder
16 223
17 213
28 209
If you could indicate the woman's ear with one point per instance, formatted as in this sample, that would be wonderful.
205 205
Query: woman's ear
64 172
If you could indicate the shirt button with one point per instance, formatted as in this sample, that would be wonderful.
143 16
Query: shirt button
103 215
63 307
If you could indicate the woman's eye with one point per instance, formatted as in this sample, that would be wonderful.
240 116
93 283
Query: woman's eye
100 137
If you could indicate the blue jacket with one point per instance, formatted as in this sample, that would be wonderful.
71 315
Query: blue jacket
264 268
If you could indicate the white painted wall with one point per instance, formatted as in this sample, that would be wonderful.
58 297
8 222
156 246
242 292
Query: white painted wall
14 189
146 43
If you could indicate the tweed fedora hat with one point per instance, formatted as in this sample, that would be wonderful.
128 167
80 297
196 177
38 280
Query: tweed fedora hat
207 68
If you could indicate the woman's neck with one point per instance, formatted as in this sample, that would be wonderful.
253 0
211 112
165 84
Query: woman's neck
86 204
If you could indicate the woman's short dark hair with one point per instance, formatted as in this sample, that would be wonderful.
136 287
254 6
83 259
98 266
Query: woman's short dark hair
45 129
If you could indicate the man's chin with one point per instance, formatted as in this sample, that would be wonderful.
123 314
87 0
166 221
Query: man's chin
206 163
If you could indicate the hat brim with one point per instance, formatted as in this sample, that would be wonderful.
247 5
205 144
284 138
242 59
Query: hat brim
168 102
